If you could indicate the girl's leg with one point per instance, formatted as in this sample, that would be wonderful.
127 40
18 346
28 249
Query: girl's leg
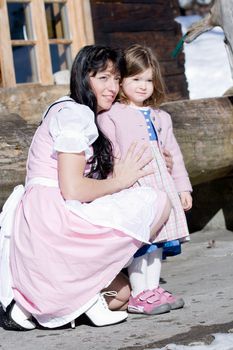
142 299
137 274
154 262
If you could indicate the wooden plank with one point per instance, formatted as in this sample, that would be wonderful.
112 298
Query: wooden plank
6 56
88 22
76 30
60 41
20 1
23 42
115 17
57 1
76 23
42 47
167 41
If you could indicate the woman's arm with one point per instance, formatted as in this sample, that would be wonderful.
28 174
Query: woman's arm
75 186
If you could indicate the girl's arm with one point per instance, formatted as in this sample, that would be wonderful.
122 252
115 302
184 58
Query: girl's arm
179 172
75 186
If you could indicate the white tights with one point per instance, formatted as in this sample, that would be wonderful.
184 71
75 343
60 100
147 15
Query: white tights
144 271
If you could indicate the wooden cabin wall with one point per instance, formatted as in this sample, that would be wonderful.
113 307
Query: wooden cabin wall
148 22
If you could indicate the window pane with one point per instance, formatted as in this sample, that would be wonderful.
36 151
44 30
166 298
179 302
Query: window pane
60 57
20 21
24 64
56 21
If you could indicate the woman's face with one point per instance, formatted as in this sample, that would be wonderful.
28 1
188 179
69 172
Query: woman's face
105 85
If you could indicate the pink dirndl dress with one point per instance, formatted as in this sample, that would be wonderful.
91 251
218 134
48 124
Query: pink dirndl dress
63 253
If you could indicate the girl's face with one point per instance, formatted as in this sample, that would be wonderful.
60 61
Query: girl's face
105 85
138 88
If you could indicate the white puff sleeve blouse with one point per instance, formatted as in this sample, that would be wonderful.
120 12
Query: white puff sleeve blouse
73 129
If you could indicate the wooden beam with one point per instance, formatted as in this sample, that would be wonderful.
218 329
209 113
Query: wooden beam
60 41
76 25
80 22
20 1
88 22
23 42
42 47
6 56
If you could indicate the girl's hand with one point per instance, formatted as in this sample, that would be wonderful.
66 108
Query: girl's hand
127 171
186 200
168 160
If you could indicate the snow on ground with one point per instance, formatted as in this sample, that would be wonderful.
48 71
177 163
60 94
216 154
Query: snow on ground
221 342
206 64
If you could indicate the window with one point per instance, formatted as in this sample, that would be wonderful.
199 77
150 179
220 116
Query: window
59 36
41 37
23 45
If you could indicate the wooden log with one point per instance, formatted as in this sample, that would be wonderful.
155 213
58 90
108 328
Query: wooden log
15 139
30 101
204 130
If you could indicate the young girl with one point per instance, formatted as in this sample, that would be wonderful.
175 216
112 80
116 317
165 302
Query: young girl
66 244
138 118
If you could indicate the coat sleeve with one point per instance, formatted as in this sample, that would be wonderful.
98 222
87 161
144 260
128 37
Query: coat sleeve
179 172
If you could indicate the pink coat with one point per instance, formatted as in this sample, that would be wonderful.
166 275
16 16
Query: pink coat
124 125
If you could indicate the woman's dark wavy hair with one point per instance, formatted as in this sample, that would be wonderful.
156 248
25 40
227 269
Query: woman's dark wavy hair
90 60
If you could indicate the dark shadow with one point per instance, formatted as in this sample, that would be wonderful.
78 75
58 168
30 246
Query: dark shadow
208 199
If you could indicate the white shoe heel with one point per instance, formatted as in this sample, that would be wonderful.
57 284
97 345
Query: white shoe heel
72 323
21 317
100 315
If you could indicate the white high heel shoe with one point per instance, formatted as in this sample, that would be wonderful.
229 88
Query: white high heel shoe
100 315
17 318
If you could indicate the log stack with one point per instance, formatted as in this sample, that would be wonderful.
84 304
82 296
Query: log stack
204 130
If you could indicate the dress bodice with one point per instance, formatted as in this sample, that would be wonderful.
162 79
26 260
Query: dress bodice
66 127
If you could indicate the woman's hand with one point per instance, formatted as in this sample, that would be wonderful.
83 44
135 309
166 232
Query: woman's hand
186 200
168 160
127 171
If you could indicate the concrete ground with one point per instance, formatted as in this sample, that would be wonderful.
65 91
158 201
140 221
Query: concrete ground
202 274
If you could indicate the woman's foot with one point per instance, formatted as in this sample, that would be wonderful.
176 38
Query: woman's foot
100 315
166 297
147 303
18 319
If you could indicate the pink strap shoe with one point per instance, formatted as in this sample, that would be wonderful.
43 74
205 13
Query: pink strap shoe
166 297
147 303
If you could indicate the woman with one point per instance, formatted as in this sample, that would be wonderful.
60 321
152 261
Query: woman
75 228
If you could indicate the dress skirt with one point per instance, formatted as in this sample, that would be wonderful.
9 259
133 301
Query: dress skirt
175 227
63 254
